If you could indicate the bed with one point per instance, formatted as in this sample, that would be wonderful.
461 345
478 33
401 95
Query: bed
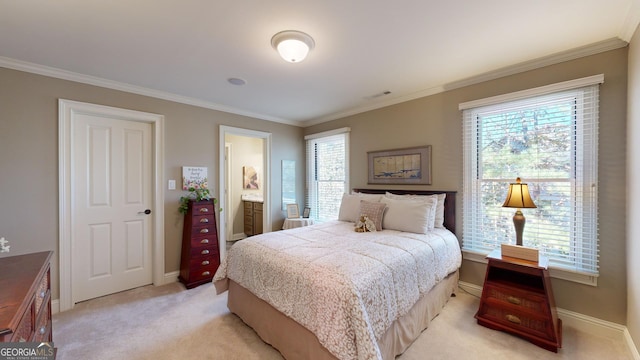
328 292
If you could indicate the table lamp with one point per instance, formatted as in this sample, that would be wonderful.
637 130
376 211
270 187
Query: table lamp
519 198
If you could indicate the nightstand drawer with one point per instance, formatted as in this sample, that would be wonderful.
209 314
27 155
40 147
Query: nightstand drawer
516 299
523 321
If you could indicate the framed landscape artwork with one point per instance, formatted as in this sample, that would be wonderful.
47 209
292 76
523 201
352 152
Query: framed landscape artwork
400 166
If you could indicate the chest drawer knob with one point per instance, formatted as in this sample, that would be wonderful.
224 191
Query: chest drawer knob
204 241
42 330
204 209
206 273
206 262
204 231
204 220
43 293
514 300
204 252
512 318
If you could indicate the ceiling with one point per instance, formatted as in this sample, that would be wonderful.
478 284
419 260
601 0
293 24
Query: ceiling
187 50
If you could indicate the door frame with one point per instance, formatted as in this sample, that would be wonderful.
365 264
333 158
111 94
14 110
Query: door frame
266 182
67 109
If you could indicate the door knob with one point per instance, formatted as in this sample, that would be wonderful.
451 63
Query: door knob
146 212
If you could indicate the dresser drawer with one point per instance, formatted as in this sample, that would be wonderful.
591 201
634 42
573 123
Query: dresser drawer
205 251
198 230
203 209
200 267
42 292
43 322
203 219
205 240
25 327
515 298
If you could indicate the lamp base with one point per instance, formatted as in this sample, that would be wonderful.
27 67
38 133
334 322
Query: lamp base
518 223
520 252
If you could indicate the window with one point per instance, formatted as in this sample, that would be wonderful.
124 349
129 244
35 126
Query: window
327 173
548 137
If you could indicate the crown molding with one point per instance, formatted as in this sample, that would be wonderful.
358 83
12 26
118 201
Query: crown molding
592 49
631 21
139 90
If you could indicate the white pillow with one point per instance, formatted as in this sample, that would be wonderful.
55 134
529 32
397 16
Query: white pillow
409 215
350 205
439 222
439 213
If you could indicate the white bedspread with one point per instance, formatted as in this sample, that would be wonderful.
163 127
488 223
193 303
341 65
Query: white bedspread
345 287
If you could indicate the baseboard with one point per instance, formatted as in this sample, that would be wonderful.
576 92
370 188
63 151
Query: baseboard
170 277
579 321
239 236
631 345
55 306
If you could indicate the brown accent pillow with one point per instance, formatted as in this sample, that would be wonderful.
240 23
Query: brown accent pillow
374 211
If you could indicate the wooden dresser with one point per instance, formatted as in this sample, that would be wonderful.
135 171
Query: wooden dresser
252 217
25 298
200 254
517 298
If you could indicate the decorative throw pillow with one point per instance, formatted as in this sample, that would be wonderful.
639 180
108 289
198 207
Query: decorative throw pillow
350 205
414 216
374 211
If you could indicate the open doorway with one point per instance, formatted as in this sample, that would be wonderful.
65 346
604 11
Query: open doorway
245 156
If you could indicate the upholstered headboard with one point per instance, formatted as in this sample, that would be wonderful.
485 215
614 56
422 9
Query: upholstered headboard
449 202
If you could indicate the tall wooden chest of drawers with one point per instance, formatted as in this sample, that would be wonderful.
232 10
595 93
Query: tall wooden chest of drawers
252 217
200 254
517 298
25 298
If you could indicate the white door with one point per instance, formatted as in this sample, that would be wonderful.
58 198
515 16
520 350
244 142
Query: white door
112 194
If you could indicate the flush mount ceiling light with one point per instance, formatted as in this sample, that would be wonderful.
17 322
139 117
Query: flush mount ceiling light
293 46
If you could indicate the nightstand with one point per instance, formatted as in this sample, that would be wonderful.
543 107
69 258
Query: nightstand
517 298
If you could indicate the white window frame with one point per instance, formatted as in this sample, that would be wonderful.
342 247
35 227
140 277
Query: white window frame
310 195
470 154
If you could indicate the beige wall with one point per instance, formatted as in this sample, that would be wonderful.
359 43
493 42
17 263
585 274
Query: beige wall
633 176
29 156
435 120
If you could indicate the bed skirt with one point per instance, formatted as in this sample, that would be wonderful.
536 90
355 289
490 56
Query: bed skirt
296 342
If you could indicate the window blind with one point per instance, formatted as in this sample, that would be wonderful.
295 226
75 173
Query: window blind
551 142
327 173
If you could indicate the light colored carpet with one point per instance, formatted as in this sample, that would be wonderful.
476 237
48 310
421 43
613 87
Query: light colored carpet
169 322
